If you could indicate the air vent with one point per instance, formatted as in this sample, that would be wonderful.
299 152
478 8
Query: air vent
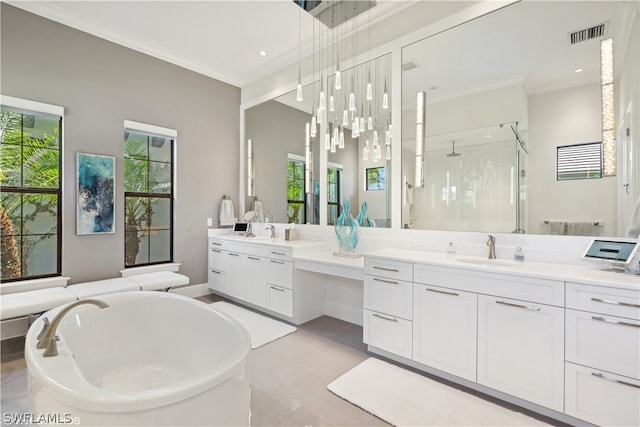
595 32
409 65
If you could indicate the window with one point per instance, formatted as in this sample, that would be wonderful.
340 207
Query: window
334 175
148 197
295 190
579 161
375 179
31 194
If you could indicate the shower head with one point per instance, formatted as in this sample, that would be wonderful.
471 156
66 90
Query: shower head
453 150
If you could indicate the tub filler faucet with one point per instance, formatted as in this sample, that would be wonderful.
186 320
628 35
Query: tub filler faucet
47 338
492 247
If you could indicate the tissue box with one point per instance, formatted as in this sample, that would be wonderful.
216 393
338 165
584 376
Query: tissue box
291 234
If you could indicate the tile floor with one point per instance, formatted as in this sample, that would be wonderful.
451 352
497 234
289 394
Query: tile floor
289 377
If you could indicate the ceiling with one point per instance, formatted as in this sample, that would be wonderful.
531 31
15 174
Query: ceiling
222 39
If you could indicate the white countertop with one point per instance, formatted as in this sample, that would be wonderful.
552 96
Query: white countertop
261 240
590 275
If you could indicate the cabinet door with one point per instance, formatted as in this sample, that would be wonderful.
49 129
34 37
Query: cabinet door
602 398
388 296
444 329
256 280
280 273
521 349
280 300
389 333
217 259
217 280
236 277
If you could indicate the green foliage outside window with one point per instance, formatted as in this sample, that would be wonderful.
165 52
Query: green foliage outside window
295 192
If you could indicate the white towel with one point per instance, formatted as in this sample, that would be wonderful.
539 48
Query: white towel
226 215
257 208
581 228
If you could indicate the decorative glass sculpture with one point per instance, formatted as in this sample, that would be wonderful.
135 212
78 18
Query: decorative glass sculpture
346 229
363 219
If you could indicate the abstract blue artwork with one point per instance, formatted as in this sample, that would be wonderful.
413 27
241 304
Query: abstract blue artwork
96 185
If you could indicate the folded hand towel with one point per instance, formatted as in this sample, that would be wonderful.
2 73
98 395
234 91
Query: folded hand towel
226 215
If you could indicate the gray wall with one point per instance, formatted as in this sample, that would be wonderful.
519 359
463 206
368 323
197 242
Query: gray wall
100 84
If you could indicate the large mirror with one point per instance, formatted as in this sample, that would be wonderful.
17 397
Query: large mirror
497 110
283 176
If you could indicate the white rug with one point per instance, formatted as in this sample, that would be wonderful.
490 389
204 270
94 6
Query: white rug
404 398
262 330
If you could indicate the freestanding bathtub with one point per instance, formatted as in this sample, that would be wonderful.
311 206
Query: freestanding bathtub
150 358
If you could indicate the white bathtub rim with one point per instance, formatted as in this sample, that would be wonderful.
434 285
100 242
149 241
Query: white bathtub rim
71 387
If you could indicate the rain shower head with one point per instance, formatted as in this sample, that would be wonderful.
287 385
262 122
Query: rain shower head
453 150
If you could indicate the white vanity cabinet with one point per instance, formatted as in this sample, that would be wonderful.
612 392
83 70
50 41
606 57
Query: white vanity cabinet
388 307
444 329
521 349
602 370
217 266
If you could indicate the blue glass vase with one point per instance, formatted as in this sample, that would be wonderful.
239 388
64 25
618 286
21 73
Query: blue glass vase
363 219
346 229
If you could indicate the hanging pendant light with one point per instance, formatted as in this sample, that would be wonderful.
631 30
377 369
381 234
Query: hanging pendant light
345 117
321 101
327 140
369 87
332 105
341 141
352 97
365 150
388 153
314 124
370 119
338 84
385 96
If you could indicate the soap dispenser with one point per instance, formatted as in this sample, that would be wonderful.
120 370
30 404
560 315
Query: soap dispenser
518 255
451 251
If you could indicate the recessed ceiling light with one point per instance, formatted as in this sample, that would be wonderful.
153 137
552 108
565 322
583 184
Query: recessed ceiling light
578 70
262 53
487 136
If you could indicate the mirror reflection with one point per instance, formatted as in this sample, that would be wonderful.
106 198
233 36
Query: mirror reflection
508 111
283 177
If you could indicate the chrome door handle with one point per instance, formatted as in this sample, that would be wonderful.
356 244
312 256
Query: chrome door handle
395 270
608 301
455 294
615 322
391 319
232 254
599 375
278 253
216 250
277 289
216 271
253 258
277 262
377 279
526 307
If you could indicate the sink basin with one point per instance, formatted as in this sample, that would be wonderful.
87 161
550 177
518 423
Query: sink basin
487 262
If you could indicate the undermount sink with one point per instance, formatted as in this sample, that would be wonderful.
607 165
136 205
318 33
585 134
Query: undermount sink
487 262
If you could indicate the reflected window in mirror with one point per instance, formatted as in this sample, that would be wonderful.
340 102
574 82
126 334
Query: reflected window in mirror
375 179
295 190
334 176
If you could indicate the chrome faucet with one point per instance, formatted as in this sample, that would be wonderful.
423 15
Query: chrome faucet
47 338
273 230
492 247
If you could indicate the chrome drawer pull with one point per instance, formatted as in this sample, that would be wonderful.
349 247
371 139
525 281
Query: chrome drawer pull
216 271
377 279
527 307
278 253
277 262
216 250
391 319
217 244
608 301
617 322
254 258
455 294
232 254
395 270
277 289
599 375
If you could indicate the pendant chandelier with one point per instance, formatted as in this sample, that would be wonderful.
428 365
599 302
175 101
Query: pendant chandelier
353 99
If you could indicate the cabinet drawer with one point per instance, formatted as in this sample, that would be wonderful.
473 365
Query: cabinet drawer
543 291
600 397
217 280
280 273
603 342
280 253
612 301
388 333
390 269
216 244
217 258
389 296
248 249
280 300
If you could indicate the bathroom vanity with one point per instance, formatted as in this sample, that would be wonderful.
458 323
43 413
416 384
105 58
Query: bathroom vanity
561 337
561 340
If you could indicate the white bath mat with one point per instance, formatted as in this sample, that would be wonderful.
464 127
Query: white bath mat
404 398
262 329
